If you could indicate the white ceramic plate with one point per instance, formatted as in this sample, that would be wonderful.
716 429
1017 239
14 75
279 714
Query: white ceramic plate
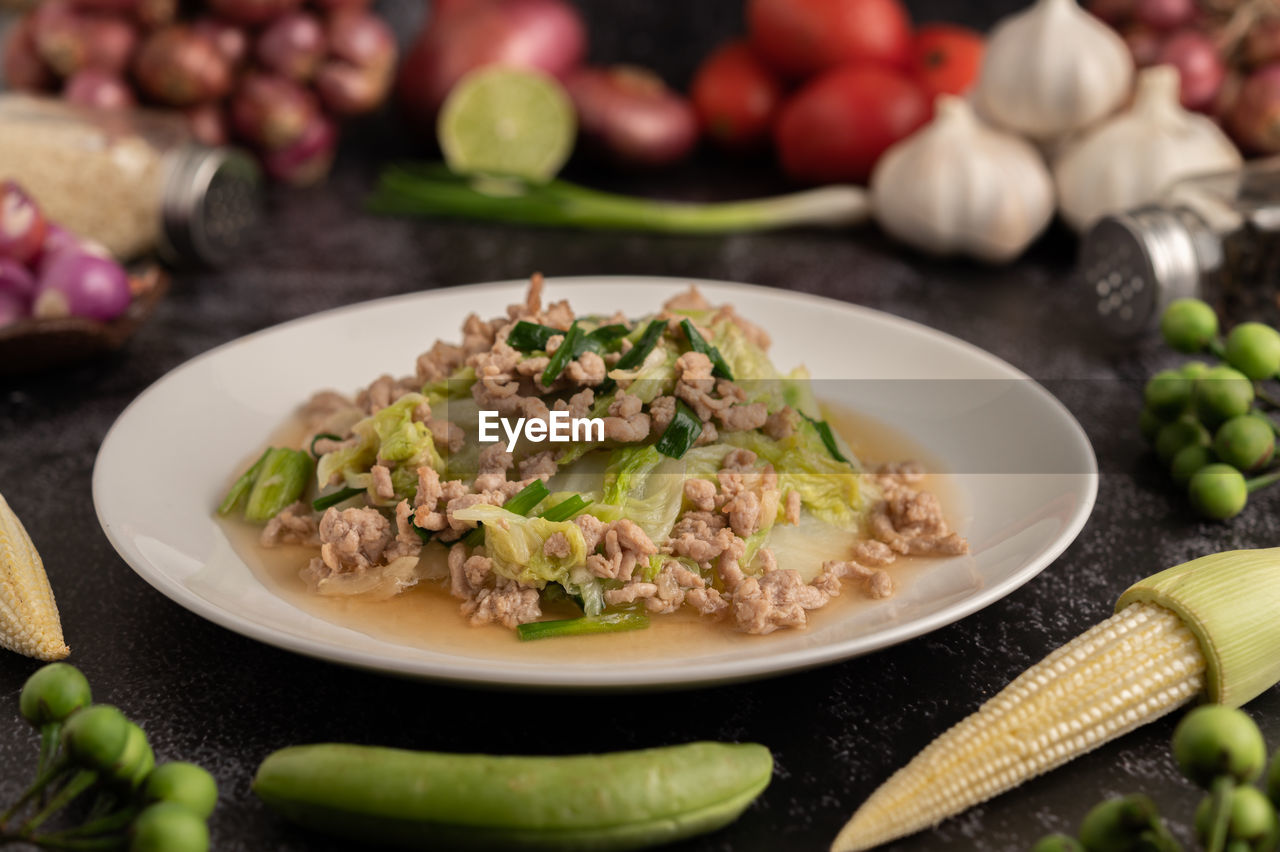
1022 472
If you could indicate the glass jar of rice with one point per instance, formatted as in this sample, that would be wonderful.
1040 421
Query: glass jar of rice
132 180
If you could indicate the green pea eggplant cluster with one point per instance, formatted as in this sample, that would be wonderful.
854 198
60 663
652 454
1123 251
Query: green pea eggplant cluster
1211 424
92 752
1220 750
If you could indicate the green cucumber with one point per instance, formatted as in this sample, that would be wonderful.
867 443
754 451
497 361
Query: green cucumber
429 800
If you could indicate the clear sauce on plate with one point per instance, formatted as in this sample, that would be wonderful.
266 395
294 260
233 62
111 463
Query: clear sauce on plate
427 616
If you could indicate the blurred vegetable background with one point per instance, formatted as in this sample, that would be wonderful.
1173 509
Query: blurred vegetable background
1079 110
822 88
829 84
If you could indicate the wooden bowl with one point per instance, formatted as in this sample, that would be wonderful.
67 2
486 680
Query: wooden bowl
31 345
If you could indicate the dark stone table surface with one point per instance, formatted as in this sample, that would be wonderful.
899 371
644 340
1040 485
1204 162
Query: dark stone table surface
205 694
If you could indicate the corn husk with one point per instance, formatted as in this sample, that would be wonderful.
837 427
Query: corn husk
1231 602
29 621
1208 627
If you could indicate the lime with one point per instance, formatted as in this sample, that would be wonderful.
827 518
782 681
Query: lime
509 122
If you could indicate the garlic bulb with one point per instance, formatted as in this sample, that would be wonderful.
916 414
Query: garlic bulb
1052 69
957 186
1130 159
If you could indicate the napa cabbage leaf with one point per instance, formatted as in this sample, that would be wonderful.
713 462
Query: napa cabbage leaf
389 436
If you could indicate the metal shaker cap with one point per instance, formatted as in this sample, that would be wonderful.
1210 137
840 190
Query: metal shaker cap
1134 264
212 198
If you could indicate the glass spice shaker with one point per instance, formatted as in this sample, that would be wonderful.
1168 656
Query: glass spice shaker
1215 237
132 180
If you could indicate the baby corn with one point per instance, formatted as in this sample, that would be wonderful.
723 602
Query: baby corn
28 615
1206 626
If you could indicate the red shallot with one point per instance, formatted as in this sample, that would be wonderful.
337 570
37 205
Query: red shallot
22 225
293 46
308 159
81 283
16 280
632 116
271 111
94 87
180 67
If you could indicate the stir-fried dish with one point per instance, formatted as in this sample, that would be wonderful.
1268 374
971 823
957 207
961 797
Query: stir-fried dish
627 467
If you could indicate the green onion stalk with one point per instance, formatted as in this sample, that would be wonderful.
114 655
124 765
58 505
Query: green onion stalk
635 356
432 190
587 625
521 503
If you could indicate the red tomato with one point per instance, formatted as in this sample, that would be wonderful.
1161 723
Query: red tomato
838 125
736 97
802 37
945 59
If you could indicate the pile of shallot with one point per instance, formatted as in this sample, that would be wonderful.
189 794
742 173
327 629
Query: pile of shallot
272 75
46 272
1227 52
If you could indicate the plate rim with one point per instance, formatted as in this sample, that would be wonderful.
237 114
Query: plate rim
466 672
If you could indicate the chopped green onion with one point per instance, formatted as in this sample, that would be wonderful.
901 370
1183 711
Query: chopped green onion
828 438
425 535
553 593
604 337
614 622
681 434
523 501
566 509
241 487
563 355
520 503
530 336
635 356
699 344
329 435
280 482
339 496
